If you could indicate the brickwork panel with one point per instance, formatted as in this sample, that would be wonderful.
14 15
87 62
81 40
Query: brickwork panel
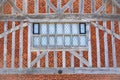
1 44
109 8
17 33
7 9
25 47
9 50
51 59
93 40
68 59
59 59
33 56
42 6
98 4
31 6
75 6
87 6
60 77
102 55
19 4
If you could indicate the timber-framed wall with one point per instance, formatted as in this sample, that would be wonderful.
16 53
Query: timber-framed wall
103 28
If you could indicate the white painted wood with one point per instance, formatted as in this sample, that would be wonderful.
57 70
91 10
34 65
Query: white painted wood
55 59
117 3
59 6
113 7
46 60
61 49
36 7
5 43
51 6
13 39
89 45
13 45
103 71
29 45
25 4
113 36
119 26
13 11
81 7
106 46
63 59
12 30
75 17
98 47
81 54
47 8
72 61
113 46
38 63
93 6
21 45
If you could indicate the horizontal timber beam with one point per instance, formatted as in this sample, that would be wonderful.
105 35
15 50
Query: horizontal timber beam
59 18
64 71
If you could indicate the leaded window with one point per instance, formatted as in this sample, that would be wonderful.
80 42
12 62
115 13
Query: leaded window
57 35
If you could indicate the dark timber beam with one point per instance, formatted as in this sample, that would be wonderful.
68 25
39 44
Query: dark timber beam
57 18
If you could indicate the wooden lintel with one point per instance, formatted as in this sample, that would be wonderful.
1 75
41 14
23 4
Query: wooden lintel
64 71
57 18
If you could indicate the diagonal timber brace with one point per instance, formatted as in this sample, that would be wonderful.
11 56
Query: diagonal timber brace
102 7
51 6
83 60
117 2
13 29
39 57
66 6
14 6
105 29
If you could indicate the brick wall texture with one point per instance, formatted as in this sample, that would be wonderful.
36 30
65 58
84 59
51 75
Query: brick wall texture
7 9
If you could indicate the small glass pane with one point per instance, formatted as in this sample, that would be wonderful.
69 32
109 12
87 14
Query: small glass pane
36 41
51 40
43 28
51 28
36 29
67 29
82 28
75 41
59 41
44 40
75 29
82 40
59 29
67 41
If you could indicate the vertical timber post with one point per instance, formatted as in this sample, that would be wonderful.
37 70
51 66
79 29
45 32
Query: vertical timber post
98 47
5 42
29 43
89 45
